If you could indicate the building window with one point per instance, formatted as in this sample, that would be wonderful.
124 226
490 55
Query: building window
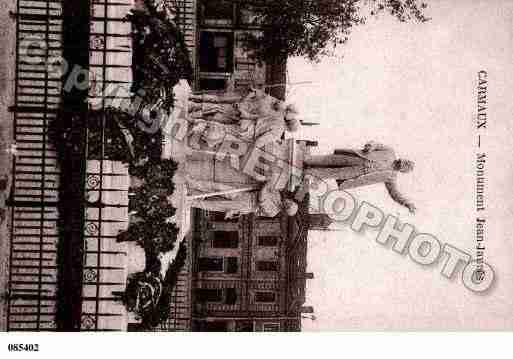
265 297
209 295
230 296
135 327
227 13
232 265
267 266
245 326
268 241
216 52
210 264
225 239
229 265
220 217
217 12
212 85
226 296
216 326
211 326
271 327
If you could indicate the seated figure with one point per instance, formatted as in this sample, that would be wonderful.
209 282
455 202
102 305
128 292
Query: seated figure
259 118
266 202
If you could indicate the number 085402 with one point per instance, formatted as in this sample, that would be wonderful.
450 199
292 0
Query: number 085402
23 347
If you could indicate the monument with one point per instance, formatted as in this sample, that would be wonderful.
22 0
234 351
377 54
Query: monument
238 160
229 138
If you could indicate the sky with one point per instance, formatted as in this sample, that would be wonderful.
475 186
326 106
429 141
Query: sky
413 87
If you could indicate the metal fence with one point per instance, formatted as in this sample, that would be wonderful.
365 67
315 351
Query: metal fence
107 181
65 265
34 236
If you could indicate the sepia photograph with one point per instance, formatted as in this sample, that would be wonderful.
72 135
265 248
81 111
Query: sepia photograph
255 166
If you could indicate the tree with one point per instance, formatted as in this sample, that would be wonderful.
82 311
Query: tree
310 28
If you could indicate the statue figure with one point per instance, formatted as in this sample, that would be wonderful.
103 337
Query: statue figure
376 163
219 108
230 107
263 202
258 118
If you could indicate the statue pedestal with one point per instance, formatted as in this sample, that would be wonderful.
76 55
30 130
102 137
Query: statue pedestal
281 164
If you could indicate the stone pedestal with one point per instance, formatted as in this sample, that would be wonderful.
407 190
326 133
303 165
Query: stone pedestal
281 164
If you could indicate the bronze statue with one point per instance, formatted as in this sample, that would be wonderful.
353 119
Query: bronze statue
376 163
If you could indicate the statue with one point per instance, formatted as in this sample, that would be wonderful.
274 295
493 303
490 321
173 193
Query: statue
376 163
235 183
258 118
263 201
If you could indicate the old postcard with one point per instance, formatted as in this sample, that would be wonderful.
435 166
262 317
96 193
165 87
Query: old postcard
255 166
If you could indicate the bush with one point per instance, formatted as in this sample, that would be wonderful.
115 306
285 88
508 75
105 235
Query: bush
152 206
122 138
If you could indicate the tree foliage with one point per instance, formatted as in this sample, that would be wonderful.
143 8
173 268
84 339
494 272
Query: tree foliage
311 28
160 55
153 231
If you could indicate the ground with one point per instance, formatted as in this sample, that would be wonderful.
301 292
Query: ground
7 39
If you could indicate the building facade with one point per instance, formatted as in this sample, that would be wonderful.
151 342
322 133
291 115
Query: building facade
246 274
214 31
249 274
